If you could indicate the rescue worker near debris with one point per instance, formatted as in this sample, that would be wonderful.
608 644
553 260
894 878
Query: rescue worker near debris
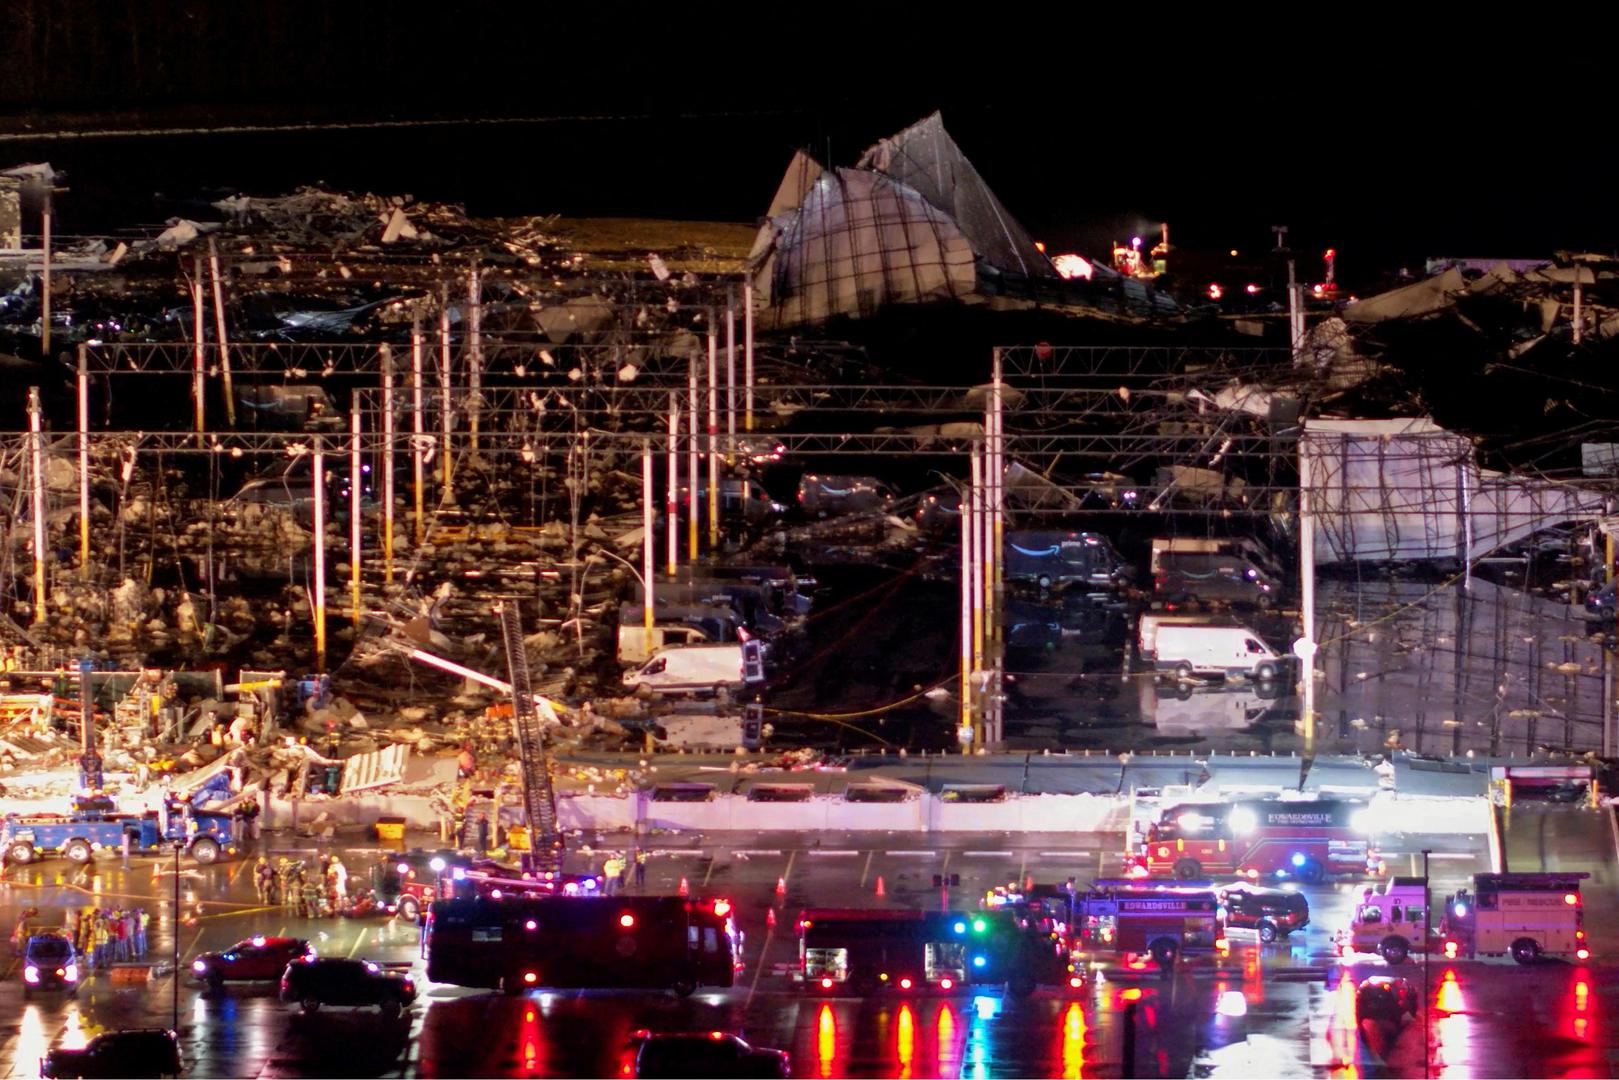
613 872
263 877
465 763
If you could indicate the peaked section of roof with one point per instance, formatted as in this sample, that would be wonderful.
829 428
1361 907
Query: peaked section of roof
925 158
858 241
801 174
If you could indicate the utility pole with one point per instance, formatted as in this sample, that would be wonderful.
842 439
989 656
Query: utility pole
1295 305
36 429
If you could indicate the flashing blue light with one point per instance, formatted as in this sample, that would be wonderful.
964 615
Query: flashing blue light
458 874
590 884
1461 911
1298 859
960 928
979 961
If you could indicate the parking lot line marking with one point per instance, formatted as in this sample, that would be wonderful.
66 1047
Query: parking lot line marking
988 854
866 870
826 851
710 872
1023 864
923 854
756 851
1064 854
1452 855
358 938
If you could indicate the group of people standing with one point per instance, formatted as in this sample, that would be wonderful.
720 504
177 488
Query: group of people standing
307 892
105 937
615 868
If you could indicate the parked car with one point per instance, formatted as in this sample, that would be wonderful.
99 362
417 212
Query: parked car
1386 998
49 963
254 959
315 981
138 1052
706 1054
1229 579
1271 913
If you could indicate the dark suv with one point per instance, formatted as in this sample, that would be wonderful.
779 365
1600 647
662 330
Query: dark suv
706 1054
1271 913
313 982
255 959
139 1052
49 963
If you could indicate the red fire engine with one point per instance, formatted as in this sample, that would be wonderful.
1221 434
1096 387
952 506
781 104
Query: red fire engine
1134 918
1303 840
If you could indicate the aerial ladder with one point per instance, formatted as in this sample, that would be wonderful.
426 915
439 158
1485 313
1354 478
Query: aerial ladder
545 841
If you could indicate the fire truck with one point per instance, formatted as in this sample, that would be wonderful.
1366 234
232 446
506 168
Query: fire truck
912 952
1392 922
1525 916
1131 918
521 944
408 882
1272 839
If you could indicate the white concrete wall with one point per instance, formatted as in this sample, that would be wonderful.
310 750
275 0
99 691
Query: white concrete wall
1390 813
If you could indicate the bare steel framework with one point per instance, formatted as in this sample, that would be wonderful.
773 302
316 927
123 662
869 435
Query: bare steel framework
1057 412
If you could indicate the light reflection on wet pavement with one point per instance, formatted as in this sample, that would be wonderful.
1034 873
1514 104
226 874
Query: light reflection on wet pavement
1282 1010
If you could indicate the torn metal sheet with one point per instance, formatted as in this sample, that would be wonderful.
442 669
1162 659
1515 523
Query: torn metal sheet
376 769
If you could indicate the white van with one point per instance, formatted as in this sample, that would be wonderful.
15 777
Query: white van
1217 650
1148 624
700 669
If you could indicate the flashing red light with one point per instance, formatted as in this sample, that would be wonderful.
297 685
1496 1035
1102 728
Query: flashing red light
494 894
1571 898
1582 954
1450 950
716 1035
1075 981
1222 944
722 908
531 977
946 983
531 925
626 920
905 984
1251 289
1132 994
1215 292
826 983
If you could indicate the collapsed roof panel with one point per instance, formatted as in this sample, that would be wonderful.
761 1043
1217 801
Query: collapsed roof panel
860 241
926 159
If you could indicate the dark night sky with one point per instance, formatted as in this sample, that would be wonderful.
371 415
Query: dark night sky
1387 144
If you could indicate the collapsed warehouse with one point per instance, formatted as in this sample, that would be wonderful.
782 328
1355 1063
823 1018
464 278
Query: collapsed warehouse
546 414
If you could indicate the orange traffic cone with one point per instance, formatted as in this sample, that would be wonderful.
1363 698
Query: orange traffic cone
770 916
881 891
685 889
1028 883
781 886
